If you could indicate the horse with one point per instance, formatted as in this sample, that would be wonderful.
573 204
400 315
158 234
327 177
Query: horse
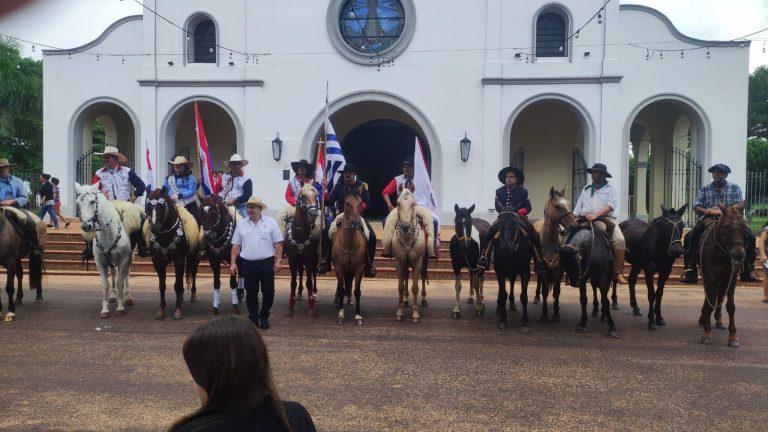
557 214
721 257
465 247
410 226
512 255
173 236
302 232
13 247
586 255
348 252
114 227
653 248
218 228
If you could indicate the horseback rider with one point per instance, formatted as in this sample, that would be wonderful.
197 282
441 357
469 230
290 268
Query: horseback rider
236 187
513 195
597 203
335 200
13 193
302 174
396 185
718 192
181 186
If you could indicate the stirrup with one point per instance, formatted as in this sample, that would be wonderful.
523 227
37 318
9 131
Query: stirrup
370 271
540 266
483 262
324 267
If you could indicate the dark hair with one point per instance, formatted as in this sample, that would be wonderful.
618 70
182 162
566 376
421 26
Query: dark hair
54 180
228 358
45 176
186 172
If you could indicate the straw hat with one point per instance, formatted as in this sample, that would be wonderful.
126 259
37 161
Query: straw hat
236 158
254 200
4 162
111 150
181 160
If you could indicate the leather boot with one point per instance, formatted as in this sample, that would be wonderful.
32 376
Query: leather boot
618 266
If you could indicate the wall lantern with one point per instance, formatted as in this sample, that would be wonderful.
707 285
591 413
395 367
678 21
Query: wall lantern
277 147
464 145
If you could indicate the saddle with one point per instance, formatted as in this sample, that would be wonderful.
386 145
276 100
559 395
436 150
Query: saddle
25 226
336 224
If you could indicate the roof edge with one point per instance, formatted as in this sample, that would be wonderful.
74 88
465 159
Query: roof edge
96 41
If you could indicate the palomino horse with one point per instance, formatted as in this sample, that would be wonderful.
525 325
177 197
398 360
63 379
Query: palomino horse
115 226
302 232
586 255
218 228
653 248
466 246
173 236
348 252
13 247
557 215
512 255
410 249
721 257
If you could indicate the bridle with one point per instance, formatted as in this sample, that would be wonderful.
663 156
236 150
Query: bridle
210 235
306 209
726 247
176 226
107 252
676 229
466 224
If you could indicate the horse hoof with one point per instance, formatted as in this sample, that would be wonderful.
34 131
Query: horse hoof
10 317
405 303
594 313
613 334
399 318
702 321
160 314
128 302
39 299
113 300
416 320
706 340
651 326
536 300
236 309
349 302
120 312
636 312
19 302
104 315
525 330
178 315
512 307
359 321
581 329
424 303
480 312
502 325
193 298
615 306
719 326
660 322
215 311
455 315
733 343
340 321
470 300
299 297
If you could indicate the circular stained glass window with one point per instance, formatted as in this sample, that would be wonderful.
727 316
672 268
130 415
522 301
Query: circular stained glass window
371 26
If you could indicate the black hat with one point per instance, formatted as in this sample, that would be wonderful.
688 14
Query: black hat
349 168
295 165
516 171
600 167
722 167
408 160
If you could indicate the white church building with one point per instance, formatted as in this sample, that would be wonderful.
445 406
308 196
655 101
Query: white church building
526 82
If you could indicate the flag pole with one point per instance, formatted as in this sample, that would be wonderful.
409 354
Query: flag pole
321 148
197 149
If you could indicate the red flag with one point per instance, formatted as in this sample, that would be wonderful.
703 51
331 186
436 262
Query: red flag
203 154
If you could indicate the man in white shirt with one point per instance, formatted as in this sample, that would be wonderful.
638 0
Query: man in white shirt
257 251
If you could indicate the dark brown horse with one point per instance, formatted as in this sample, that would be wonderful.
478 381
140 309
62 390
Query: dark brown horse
173 239
302 237
13 247
721 257
218 227
465 247
512 255
349 252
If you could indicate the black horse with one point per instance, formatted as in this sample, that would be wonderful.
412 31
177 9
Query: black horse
653 248
586 255
465 246
512 255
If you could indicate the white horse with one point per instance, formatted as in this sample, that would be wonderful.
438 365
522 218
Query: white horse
110 224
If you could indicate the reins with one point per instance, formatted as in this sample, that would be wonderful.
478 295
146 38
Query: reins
736 266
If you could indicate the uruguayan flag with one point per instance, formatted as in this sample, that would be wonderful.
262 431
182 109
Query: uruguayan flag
334 161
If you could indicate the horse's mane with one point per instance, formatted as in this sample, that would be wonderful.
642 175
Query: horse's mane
130 215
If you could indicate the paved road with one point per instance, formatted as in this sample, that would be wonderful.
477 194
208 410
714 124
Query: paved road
63 368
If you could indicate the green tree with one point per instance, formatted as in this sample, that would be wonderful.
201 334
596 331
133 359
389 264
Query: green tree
21 108
757 120
757 155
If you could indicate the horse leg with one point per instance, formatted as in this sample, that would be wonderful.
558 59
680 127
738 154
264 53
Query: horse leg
614 296
595 303
606 307
122 280
103 273
705 320
719 318
537 296
651 299
582 327
730 306
340 294
113 285
292 299
524 279
456 313
213 261
556 296
20 280
9 287
659 294
470 300
192 262
512 305
633 273
358 314
480 307
311 288
415 273
160 268
300 294
127 296
542 283
178 286
501 301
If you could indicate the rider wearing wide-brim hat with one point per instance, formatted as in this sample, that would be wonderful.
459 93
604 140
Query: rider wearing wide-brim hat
114 179
728 194
597 201
181 185
236 187
302 174
513 197
13 193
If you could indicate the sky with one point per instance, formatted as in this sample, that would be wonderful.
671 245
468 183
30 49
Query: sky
71 23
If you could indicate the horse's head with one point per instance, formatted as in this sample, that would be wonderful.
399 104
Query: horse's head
406 204
670 227
308 201
213 212
572 254
558 208
87 201
463 223
157 208
353 208
508 224
730 231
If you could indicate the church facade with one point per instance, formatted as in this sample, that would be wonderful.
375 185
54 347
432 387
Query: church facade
550 87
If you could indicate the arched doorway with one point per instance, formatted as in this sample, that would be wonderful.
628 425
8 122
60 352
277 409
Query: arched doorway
180 135
549 155
102 123
666 139
376 136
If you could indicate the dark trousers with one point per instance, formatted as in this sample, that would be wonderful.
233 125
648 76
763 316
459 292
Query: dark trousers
258 275
194 211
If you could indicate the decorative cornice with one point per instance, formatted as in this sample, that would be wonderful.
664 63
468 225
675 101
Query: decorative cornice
676 33
606 79
96 41
201 83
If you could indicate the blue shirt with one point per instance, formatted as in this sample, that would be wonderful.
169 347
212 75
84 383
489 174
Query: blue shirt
13 188
186 187
728 196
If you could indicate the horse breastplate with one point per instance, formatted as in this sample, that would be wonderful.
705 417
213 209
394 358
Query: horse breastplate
172 245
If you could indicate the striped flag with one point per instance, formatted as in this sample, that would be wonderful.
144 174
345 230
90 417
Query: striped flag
424 192
203 154
334 157
319 166
149 176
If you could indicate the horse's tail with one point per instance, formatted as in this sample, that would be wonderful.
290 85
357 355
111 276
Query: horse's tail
424 273
36 271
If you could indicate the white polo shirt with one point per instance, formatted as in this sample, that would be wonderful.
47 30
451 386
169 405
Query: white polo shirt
257 240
